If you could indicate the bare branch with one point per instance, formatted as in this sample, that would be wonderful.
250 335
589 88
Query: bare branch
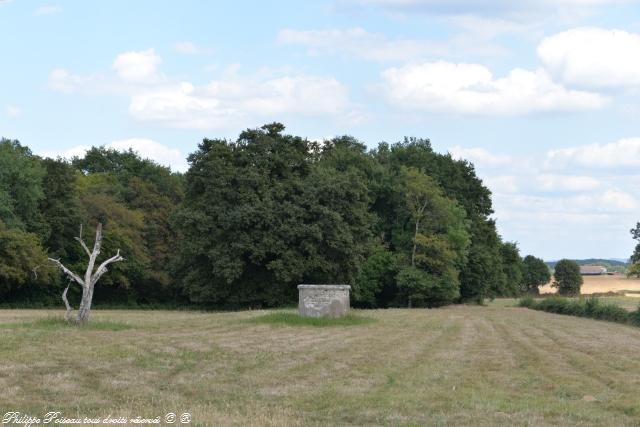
35 271
70 274
67 315
98 243
94 255
103 267
82 243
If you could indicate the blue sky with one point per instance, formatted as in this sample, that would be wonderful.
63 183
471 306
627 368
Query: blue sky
541 95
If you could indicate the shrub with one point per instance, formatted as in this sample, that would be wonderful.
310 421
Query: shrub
591 307
634 317
527 302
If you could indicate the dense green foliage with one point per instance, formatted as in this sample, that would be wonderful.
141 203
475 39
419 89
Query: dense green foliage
253 218
534 274
567 278
590 307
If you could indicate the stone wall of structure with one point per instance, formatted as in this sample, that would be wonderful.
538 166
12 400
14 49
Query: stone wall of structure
323 300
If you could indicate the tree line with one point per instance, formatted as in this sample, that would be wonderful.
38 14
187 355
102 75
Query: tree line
254 217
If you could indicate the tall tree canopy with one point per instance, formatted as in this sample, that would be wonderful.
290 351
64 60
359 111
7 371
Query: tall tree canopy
535 273
254 217
267 212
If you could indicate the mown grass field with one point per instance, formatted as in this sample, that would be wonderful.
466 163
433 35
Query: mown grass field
462 365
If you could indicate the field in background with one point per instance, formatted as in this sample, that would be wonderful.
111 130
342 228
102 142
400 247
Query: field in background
459 365
602 284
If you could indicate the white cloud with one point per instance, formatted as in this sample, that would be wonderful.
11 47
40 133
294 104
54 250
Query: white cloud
13 111
359 43
77 151
480 156
231 100
593 57
146 148
150 149
189 48
472 89
61 80
551 182
227 101
48 10
619 200
502 183
138 67
622 153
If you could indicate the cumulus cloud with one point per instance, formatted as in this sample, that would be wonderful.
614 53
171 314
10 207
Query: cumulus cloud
138 67
553 182
480 156
471 89
227 101
145 147
150 149
593 57
624 153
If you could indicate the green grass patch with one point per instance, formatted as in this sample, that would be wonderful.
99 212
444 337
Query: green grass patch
55 323
294 319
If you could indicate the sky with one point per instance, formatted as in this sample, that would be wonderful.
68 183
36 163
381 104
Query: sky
542 96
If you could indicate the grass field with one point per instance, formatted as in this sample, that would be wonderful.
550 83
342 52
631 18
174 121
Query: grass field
457 366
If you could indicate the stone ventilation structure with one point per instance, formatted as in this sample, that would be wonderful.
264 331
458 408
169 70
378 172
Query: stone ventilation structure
323 300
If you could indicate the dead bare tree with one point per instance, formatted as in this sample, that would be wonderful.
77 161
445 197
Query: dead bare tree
91 276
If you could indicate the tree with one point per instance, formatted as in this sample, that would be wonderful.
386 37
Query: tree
535 273
267 212
482 275
567 278
20 188
91 276
634 270
512 267
438 245
21 257
376 284
635 233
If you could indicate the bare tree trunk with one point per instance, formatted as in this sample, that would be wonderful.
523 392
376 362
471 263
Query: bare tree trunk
67 315
85 307
91 277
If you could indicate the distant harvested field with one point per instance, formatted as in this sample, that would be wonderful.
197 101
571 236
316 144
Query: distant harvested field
602 284
459 365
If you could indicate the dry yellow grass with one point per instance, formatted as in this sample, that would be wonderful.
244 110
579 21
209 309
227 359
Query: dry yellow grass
602 284
450 366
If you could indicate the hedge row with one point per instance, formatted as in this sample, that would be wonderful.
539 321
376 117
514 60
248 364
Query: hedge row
583 307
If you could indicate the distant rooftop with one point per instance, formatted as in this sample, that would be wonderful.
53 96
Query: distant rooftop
592 269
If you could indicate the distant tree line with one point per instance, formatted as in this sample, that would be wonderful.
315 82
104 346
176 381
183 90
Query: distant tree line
254 217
